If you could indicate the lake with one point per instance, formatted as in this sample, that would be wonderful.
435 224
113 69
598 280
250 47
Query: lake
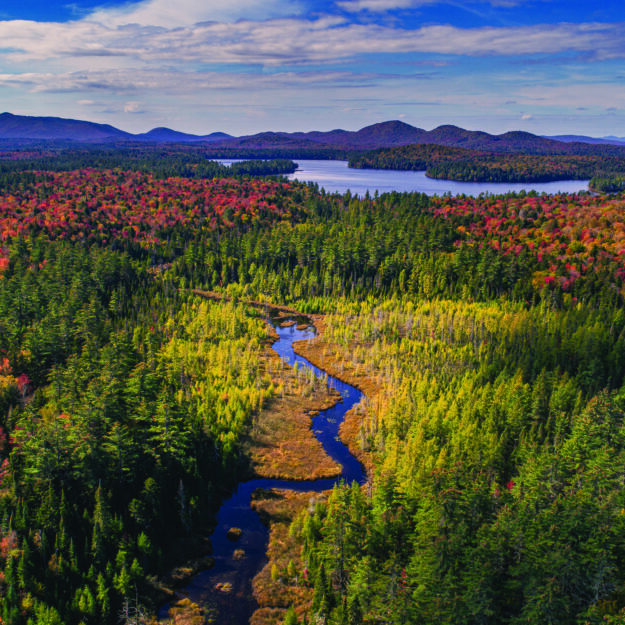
336 176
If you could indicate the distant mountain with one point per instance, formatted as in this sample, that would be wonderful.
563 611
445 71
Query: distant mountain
384 134
167 135
264 140
516 141
23 127
591 140
396 133
57 128
391 133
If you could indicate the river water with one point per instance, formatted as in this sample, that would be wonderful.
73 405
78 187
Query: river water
237 606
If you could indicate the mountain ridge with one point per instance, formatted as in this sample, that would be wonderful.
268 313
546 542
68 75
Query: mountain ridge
56 128
393 133
585 139
167 135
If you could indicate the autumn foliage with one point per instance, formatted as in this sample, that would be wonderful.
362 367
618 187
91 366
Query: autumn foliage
104 206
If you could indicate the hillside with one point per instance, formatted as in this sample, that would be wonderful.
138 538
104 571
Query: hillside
55 128
396 134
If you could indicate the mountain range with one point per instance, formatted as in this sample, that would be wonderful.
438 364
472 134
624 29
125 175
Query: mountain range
595 140
16 128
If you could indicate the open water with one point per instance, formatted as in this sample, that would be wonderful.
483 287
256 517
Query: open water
336 176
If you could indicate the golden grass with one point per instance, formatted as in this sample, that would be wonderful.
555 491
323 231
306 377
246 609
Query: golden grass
185 612
234 533
181 575
282 444
322 355
275 593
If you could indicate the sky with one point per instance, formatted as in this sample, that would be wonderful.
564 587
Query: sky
244 66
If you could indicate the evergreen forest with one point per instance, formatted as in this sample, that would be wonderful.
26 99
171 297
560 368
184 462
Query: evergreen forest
488 334
468 165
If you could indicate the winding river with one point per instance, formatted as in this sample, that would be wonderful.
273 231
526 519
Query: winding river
237 606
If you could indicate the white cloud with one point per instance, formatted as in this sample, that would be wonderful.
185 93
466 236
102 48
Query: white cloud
133 107
381 6
160 66
526 117
176 13
189 83
287 41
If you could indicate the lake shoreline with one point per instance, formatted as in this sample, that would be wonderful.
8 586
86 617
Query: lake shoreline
336 177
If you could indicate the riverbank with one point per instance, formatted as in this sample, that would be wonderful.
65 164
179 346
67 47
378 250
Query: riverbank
282 444
321 354
282 582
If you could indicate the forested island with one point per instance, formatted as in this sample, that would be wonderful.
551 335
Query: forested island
137 389
465 165
162 162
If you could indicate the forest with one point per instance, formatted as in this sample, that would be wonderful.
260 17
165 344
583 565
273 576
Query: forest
607 185
465 165
489 333
163 161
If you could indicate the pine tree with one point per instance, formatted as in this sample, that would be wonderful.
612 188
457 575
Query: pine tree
290 617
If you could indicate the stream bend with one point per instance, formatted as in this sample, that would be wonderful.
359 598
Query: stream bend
237 606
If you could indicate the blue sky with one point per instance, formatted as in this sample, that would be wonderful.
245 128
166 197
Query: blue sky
242 66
